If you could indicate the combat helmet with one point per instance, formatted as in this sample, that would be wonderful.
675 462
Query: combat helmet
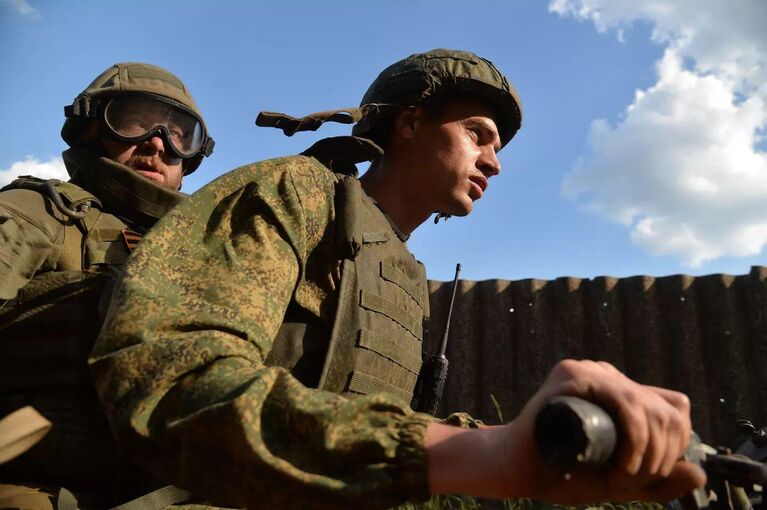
145 82
425 77
418 79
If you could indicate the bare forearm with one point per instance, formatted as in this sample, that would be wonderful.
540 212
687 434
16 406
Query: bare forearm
466 461
503 462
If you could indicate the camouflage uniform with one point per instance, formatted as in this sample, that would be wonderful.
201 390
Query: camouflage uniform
62 246
182 365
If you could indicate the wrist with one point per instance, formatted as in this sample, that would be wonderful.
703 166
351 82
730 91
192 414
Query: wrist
467 461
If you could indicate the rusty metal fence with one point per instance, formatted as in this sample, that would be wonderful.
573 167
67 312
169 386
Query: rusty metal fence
705 336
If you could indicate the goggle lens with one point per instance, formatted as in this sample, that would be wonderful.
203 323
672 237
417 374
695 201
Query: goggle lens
138 117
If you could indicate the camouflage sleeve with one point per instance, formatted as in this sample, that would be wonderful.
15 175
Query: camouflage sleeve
179 366
24 247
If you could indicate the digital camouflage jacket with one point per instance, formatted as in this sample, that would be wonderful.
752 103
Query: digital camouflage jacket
181 364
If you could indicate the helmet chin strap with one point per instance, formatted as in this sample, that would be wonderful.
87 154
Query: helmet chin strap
441 216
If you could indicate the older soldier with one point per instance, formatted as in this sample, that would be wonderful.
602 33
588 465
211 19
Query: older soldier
133 132
264 345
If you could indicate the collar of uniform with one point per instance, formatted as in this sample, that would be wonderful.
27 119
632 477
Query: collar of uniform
122 191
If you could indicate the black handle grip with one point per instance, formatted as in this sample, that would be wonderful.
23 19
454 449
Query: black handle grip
571 432
434 372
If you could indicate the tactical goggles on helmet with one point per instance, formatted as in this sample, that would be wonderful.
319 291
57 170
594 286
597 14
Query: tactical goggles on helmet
133 118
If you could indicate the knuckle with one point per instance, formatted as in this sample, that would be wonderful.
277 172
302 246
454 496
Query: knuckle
568 367
607 366
683 402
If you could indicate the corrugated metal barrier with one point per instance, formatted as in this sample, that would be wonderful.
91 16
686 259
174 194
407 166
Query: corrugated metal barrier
705 336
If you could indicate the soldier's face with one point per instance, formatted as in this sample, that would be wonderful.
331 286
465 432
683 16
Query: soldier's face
455 152
148 158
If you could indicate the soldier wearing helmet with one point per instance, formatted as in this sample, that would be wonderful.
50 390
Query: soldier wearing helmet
132 133
277 336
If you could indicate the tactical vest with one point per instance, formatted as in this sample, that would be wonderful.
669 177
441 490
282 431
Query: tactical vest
376 339
63 303
48 330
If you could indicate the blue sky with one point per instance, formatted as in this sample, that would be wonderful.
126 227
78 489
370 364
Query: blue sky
642 149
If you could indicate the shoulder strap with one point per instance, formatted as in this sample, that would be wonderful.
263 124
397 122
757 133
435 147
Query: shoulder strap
70 199
21 430
24 182
79 205
348 199
342 153
155 500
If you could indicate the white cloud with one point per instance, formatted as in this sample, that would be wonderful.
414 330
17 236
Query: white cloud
682 169
22 8
52 169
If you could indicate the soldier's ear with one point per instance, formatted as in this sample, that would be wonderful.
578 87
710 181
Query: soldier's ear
407 121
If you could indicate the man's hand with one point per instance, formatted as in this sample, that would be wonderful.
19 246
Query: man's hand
654 427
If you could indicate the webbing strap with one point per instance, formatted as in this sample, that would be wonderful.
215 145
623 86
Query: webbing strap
74 194
105 235
397 277
367 384
342 153
21 430
71 255
401 353
374 237
393 311
155 500
91 218
66 500
312 122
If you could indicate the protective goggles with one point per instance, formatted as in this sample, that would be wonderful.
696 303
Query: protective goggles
134 118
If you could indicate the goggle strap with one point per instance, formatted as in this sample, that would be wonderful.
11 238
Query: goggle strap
207 146
82 106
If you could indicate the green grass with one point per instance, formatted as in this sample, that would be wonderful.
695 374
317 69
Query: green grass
455 502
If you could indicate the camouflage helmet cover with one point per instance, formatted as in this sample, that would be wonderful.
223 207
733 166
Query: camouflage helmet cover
135 77
436 74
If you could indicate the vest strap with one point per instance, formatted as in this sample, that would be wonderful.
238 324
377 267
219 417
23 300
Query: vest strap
71 251
376 303
78 201
348 197
156 500
392 274
391 349
367 384
66 500
106 235
374 237
312 122
342 153
21 430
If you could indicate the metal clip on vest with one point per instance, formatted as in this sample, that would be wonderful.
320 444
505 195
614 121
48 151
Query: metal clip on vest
434 371
82 211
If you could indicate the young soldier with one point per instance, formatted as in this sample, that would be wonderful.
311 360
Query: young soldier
133 133
264 346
